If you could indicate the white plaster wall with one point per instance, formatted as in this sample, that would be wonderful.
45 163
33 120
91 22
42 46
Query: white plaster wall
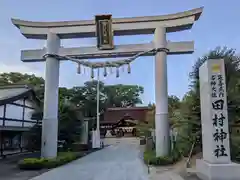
13 111
16 112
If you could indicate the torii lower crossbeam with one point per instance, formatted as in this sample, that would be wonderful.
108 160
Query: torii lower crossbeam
185 47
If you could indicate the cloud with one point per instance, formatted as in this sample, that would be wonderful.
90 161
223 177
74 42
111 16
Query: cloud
5 68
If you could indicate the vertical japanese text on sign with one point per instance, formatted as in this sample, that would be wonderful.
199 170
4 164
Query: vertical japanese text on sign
217 94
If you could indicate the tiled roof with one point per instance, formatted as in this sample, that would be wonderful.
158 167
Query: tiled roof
12 93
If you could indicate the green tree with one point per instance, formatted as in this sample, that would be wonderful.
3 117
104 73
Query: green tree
86 97
18 78
174 111
174 102
173 106
70 122
110 96
191 122
123 95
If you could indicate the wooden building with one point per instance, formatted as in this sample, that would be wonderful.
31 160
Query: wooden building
17 105
123 118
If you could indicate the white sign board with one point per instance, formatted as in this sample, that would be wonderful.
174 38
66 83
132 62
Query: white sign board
214 115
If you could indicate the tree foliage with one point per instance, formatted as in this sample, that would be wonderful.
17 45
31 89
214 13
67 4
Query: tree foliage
78 102
18 78
110 96
190 121
70 123
123 95
144 128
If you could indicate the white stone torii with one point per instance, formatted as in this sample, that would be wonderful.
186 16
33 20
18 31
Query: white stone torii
54 31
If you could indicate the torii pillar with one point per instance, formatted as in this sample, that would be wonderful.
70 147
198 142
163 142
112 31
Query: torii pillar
161 93
159 25
50 109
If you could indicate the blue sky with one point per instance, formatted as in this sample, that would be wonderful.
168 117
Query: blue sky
219 25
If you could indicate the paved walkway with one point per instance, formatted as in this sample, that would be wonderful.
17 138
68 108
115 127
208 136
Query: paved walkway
120 161
10 171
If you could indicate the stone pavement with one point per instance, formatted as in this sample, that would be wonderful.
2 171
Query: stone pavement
119 161
115 162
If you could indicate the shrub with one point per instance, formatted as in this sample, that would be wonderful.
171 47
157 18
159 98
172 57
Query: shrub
32 163
151 159
40 163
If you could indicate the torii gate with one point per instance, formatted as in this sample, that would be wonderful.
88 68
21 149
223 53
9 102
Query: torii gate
54 31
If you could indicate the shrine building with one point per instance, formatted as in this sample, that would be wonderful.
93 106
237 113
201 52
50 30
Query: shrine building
123 118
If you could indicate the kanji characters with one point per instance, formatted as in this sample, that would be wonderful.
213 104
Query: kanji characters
219 136
220 151
218 120
220 86
218 104
213 86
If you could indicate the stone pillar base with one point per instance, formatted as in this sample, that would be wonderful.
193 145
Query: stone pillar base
96 141
208 171
162 134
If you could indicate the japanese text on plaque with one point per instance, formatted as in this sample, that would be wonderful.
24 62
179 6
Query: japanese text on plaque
218 119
